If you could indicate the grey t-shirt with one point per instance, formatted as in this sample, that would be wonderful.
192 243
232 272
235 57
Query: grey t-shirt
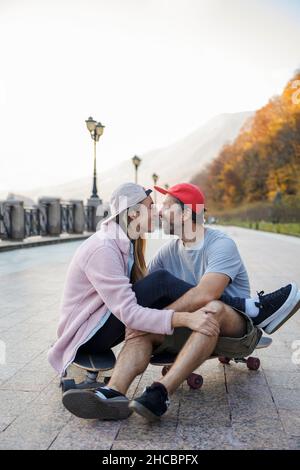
216 253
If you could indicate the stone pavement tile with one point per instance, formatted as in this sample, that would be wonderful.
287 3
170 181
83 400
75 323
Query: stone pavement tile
291 421
294 443
138 428
279 350
7 371
260 432
28 380
280 365
50 396
86 434
10 321
246 403
8 309
241 375
207 437
286 398
211 394
250 392
15 403
190 414
20 333
283 379
151 444
211 375
40 362
5 421
21 357
34 429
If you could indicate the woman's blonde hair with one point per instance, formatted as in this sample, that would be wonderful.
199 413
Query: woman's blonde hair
139 268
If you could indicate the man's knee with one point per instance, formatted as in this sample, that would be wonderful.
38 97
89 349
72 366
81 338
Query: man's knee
215 306
231 322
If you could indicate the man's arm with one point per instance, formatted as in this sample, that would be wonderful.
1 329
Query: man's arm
223 265
210 287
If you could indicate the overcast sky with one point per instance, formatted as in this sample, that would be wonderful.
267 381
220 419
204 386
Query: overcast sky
150 70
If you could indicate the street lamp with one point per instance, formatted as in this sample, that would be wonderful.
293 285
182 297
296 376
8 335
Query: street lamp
96 130
155 179
136 162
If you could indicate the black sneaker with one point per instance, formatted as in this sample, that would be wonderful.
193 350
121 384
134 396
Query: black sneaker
153 403
278 304
101 403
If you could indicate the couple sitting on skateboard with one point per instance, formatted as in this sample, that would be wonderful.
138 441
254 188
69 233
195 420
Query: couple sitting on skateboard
193 300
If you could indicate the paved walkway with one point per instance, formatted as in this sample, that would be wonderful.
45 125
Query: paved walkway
235 409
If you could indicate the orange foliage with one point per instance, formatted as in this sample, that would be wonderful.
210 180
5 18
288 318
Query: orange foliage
264 159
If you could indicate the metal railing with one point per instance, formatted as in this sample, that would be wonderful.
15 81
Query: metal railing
50 217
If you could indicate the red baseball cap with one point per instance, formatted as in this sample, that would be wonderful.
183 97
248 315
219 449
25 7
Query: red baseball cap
187 193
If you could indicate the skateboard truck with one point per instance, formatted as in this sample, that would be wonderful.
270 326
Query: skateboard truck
93 364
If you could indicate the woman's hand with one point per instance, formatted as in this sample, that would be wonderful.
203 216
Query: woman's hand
201 321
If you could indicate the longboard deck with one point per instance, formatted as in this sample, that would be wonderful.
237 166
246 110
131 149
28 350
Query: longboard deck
95 362
107 360
167 359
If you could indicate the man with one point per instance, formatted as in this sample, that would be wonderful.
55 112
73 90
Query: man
210 264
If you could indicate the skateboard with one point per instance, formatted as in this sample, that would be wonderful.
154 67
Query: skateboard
195 381
93 364
103 363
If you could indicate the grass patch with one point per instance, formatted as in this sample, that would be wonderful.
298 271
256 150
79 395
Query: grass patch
283 228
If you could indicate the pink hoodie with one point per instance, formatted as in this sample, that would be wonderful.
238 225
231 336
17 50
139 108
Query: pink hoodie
97 280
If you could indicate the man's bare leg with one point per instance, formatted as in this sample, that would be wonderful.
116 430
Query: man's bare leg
133 359
199 346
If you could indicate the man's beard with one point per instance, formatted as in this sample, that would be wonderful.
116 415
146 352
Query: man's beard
168 227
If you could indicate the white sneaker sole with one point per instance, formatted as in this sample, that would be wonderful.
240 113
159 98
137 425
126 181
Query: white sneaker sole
143 411
284 316
285 309
86 404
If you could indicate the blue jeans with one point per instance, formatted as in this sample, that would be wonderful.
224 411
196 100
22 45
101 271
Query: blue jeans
157 290
161 288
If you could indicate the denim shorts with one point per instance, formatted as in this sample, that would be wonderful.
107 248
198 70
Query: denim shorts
226 346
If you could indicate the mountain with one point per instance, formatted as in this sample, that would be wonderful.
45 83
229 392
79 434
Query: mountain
175 163
262 165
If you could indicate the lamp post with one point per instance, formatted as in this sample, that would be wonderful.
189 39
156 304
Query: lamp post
96 130
136 162
155 179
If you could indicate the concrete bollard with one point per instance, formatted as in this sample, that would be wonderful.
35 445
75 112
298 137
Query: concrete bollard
17 221
95 204
53 215
78 215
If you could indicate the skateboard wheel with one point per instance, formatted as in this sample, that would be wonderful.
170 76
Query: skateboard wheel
224 360
67 384
253 363
195 381
165 370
